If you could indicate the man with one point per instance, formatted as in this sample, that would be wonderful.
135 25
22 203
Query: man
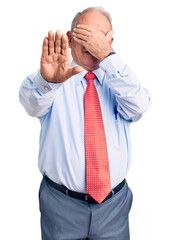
85 110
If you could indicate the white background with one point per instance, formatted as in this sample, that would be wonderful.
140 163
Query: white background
142 39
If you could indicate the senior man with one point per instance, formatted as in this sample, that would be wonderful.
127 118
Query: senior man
85 109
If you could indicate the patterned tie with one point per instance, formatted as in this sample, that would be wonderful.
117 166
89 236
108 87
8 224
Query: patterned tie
97 163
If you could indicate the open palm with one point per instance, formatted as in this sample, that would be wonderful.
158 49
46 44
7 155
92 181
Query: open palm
55 59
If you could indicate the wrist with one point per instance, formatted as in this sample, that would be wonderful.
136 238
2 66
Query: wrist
111 53
107 54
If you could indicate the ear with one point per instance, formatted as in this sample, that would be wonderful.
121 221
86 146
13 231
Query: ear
111 41
69 35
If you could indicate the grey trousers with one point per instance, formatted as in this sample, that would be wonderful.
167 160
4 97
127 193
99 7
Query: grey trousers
66 218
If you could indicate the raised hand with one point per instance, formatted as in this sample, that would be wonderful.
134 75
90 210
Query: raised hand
55 59
95 41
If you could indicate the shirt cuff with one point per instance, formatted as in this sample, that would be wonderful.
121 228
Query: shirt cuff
43 85
112 64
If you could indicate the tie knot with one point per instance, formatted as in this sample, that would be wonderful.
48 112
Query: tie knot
90 76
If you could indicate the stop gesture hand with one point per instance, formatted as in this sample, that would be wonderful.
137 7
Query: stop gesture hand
55 59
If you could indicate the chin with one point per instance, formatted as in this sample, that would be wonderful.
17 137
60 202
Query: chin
90 64
90 68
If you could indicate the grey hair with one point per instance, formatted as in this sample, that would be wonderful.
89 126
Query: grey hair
90 9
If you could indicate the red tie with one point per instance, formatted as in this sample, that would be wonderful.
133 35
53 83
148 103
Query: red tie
97 163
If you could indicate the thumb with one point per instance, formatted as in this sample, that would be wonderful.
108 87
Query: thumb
73 71
76 70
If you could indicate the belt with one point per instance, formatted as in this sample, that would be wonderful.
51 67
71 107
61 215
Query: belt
82 196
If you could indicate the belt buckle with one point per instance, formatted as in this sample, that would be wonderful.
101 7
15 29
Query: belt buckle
87 197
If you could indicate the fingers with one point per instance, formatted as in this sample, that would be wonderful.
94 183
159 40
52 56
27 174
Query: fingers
85 27
80 41
85 33
64 45
81 31
80 38
57 47
50 42
45 47
82 35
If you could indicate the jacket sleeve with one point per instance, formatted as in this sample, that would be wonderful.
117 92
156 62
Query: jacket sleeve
37 95
132 99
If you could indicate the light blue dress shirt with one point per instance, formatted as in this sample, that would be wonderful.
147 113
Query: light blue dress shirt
60 109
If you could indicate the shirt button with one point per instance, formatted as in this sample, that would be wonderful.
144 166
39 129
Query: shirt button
46 88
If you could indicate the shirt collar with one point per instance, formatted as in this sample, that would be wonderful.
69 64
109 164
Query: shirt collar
79 77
